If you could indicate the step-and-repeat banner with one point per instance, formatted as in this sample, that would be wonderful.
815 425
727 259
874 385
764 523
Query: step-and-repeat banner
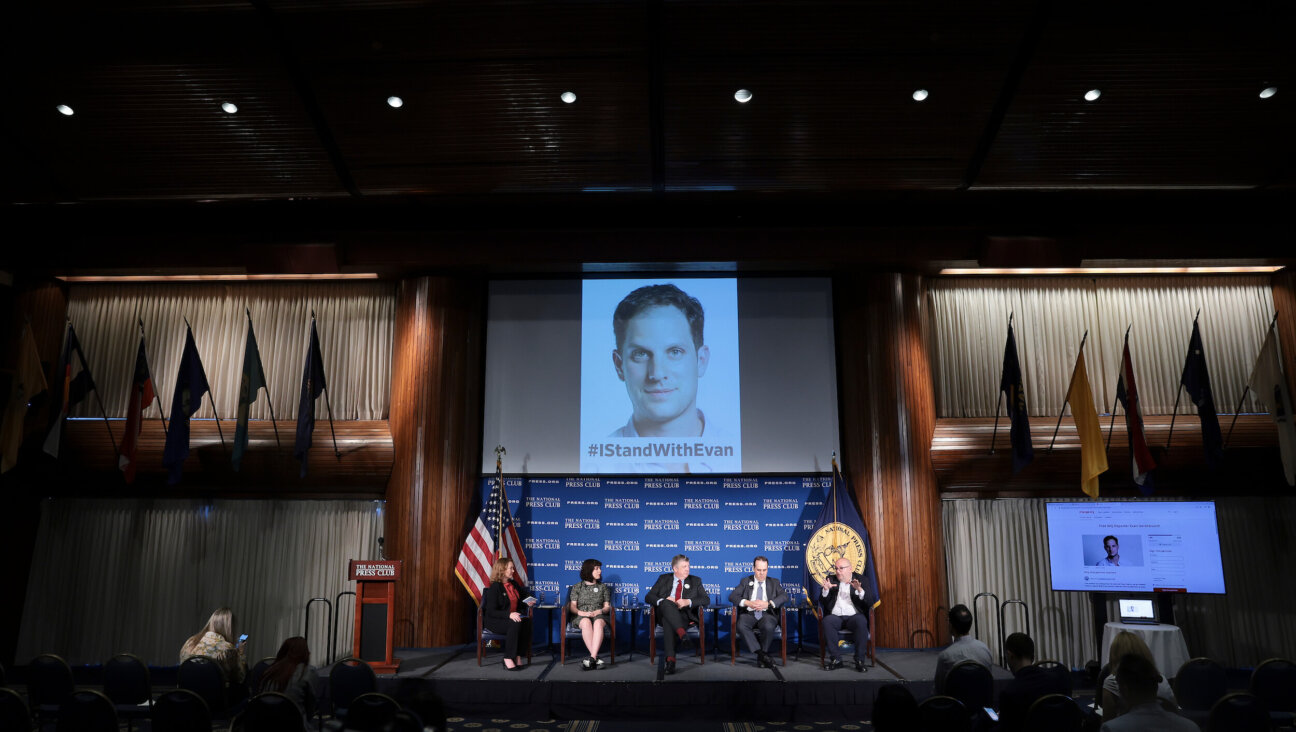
635 525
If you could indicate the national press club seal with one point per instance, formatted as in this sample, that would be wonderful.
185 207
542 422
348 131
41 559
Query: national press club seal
831 542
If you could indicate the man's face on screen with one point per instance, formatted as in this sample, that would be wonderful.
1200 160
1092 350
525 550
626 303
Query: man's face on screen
1112 547
660 367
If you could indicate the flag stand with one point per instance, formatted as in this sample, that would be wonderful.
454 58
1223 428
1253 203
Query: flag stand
336 453
1175 412
999 400
1116 400
211 398
269 401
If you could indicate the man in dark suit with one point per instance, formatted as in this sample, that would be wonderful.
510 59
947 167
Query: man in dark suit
848 610
677 595
757 599
1030 682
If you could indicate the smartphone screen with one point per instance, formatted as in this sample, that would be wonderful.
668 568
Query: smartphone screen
243 637
992 714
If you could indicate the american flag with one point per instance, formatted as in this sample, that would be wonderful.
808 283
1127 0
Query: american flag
483 545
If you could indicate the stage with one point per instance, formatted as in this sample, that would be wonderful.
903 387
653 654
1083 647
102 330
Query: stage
633 688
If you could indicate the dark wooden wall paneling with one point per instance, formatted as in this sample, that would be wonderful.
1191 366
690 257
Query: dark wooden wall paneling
432 497
1284 295
888 415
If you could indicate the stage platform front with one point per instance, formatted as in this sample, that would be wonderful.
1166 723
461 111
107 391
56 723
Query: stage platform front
635 688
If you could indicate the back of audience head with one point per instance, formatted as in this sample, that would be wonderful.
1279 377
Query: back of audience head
894 709
1019 650
221 622
960 620
1126 645
293 652
1138 679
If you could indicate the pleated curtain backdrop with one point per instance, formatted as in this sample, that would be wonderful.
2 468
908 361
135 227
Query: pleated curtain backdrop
355 320
1001 546
141 576
970 323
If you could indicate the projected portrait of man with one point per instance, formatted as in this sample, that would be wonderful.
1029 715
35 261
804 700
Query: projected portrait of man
1112 547
660 355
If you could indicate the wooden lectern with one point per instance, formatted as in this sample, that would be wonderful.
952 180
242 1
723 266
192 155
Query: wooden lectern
375 612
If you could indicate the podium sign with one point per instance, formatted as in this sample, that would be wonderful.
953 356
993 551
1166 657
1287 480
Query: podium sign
374 612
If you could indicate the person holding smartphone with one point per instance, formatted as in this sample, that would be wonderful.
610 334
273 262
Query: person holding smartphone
218 641
845 603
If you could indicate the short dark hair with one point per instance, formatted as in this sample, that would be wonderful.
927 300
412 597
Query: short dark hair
760 559
652 296
587 570
960 619
677 559
1020 645
1137 676
1109 536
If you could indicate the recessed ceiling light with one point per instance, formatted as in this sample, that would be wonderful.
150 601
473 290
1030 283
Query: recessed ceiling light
395 102
743 96
229 107
568 97
1092 95
1268 92
66 111
919 95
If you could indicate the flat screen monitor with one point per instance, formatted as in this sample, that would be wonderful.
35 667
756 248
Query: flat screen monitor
1135 546
660 375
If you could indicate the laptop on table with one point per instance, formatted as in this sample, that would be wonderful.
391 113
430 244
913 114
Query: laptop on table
1136 611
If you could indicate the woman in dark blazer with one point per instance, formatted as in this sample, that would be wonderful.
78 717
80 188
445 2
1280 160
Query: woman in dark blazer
503 612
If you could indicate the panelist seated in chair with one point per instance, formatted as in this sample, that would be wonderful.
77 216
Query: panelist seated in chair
846 609
589 602
677 597
218 640
502 611
756 600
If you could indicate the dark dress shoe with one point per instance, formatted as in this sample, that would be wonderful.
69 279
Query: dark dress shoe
834 664
859 665
763 660
670 667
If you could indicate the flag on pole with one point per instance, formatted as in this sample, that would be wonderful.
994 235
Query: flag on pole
1127 395
190 385
1093 456
492 537
1270 386
28 381
312 386
1015 397
1196 380
137 400
840 532
73 383
250 387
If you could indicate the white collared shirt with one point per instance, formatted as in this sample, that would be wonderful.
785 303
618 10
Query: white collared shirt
752 595
844 606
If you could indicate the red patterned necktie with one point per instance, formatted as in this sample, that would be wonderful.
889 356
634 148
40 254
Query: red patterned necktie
679 587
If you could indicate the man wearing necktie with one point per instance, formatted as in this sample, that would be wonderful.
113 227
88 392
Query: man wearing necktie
757 599
677 595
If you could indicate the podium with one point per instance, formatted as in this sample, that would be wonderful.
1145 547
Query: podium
375 612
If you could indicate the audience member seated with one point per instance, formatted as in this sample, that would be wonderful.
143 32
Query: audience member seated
218 640
963 648
895 709
590 603
1139 686
292 675
1030 682
1126 645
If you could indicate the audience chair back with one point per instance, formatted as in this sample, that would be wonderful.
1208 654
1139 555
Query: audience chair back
1062 672
1200 683
271 712
256 672
1056 713
371 712
2 676
406 721
780 632
943 714
348 679
126 680
13 711
485 634
1239 712
206 678
181 710
609 631
895 709
87 711
1274 681
695 631
970 683
49 682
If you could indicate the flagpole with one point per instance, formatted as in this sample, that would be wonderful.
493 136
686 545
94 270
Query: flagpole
269 401
499 515
210 397
156 397
336 453
1062 411
999 399
1245 389
1179 393
1112 424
